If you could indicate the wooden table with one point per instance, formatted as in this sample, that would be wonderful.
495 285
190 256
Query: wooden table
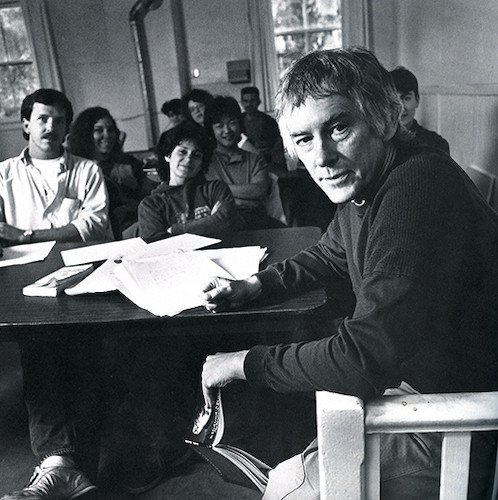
112 314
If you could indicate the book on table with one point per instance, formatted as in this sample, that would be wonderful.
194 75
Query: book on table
233 464
54 283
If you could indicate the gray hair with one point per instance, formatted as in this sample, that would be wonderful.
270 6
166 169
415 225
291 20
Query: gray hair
354 73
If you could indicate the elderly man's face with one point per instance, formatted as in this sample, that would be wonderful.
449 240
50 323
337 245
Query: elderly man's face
338 148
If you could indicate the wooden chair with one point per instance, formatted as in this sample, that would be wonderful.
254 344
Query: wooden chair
484 181
349 436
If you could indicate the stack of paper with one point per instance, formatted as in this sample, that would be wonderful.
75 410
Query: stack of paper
168 284
164 277
103 278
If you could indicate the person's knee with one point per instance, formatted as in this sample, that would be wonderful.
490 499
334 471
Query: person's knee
296 478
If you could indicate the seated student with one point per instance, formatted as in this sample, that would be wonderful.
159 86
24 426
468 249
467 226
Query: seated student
262 131
173 109
407 86
185 202
245 173
95 135
195 103
418 245
48 194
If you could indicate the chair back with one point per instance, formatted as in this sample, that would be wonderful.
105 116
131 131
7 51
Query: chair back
349 438
484 181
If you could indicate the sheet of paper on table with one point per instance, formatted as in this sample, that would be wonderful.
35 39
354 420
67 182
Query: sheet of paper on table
24 254
240 262
103 278
102 251
167 286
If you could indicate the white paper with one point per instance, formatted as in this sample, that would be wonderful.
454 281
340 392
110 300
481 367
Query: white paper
167 285
240 262
103 251
103 278
24 254
99 281
183 242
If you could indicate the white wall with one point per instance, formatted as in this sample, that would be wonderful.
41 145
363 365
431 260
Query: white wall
450 45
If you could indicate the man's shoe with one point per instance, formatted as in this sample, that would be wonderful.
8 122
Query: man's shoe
54 479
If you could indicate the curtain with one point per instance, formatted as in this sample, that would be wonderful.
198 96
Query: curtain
264 56
356 23
39 31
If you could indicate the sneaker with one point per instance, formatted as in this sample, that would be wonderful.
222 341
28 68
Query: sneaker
145 475
54 479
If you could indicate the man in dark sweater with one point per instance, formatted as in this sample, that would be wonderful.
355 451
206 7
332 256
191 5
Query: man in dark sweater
407 86
419 246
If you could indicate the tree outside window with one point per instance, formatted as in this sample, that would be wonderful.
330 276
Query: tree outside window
301 26
18 75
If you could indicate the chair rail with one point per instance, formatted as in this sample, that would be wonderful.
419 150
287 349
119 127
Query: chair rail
349 435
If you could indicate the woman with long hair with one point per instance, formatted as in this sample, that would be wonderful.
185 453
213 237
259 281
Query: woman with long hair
95 135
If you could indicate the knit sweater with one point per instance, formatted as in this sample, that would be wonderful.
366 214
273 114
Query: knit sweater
422 257
187 209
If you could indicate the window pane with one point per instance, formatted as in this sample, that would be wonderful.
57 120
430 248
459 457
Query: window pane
305 25
14 37
289 48
324 14
7 103
324 40
289 14
16 82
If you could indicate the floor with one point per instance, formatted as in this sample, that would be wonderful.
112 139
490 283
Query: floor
193 480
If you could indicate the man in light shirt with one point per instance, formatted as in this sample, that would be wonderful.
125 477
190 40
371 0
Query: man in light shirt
48 194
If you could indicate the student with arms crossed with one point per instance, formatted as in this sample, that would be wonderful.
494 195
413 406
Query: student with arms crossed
245 173
185 202
418 244
48 194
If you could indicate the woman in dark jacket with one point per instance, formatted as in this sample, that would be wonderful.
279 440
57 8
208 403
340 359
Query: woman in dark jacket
185 202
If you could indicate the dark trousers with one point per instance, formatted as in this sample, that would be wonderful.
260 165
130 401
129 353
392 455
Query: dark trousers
63 397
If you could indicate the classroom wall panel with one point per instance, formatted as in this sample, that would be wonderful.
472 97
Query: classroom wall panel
450 45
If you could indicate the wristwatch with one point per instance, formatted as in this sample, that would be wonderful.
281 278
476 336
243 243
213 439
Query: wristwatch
27 236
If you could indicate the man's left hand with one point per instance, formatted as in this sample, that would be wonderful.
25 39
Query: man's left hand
219 370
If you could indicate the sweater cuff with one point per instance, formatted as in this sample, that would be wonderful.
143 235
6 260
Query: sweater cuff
272 284
254 366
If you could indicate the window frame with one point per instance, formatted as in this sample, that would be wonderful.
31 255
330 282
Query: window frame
44 57
307 30
355 25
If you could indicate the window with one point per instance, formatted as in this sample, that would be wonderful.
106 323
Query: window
18 74
301 26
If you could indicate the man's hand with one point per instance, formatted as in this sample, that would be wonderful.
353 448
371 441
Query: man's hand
219 370
10 234
221 293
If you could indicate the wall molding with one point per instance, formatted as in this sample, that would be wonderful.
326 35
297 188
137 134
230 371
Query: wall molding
490 89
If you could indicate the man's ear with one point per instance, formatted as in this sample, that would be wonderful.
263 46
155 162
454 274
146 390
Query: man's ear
390 131
25 126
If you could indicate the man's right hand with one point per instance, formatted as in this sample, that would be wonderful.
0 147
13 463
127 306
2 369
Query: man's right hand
221 294
10 235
